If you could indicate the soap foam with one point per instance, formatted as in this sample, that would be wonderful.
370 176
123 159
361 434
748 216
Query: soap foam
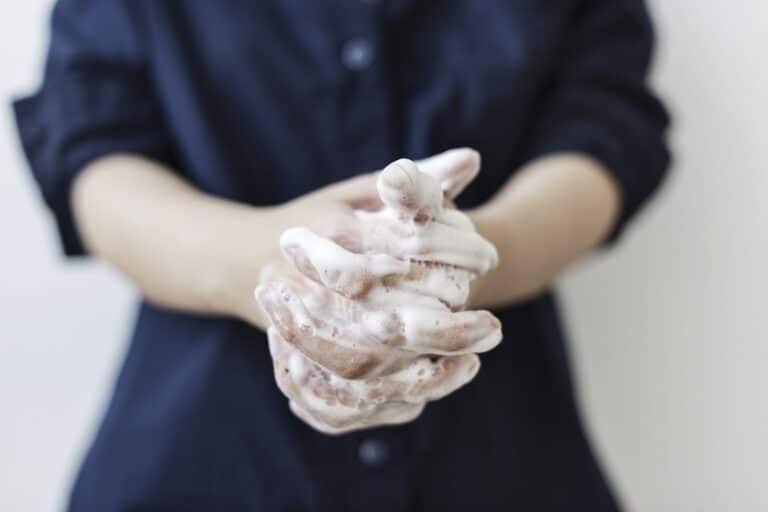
401 295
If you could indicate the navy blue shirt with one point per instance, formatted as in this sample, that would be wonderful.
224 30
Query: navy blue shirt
261 101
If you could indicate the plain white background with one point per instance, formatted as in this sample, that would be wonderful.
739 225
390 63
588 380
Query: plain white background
669 329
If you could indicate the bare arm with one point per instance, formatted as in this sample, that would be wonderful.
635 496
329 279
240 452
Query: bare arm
182 248
188 250
546 217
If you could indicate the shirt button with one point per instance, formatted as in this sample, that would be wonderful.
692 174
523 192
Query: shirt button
357 54
372 452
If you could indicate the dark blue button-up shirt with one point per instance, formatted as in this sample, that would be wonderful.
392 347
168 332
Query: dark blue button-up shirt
261 101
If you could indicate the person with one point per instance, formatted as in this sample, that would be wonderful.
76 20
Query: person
179 140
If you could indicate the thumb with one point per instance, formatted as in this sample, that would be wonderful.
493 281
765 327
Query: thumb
410 192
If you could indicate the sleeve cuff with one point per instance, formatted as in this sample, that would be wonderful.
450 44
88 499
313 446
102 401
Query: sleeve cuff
56 164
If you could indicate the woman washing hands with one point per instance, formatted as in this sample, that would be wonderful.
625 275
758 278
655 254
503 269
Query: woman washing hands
179 141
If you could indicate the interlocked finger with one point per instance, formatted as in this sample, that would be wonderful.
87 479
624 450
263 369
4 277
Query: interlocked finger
356 342
440 243
338 269
448 333
341 403
427 285
443 240
341 340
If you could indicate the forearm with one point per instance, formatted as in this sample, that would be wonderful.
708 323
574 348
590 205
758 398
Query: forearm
546 217
182 248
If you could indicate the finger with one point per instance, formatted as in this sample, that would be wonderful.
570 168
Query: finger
426 379
450 285
434 242
449 216
444 332
316 423
392 413
334 404
439 243
427 285
457 219
294 323
347 322
327 402
340 270
289 365
347 339
409 192
301 380
454 169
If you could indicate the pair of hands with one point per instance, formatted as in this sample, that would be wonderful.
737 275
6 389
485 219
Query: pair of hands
366 308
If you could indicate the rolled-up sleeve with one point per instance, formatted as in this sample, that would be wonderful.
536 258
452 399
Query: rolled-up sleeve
598 103
95 99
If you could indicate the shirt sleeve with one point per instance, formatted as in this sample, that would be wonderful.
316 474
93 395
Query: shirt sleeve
95 99
597 101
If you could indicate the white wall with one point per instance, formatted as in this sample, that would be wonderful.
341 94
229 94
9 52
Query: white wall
62 325
668 332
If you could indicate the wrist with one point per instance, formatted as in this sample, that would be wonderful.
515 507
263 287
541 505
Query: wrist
487 223
243 245
517 276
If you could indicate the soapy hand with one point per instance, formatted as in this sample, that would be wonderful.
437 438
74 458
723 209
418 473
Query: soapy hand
355 340
335 405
